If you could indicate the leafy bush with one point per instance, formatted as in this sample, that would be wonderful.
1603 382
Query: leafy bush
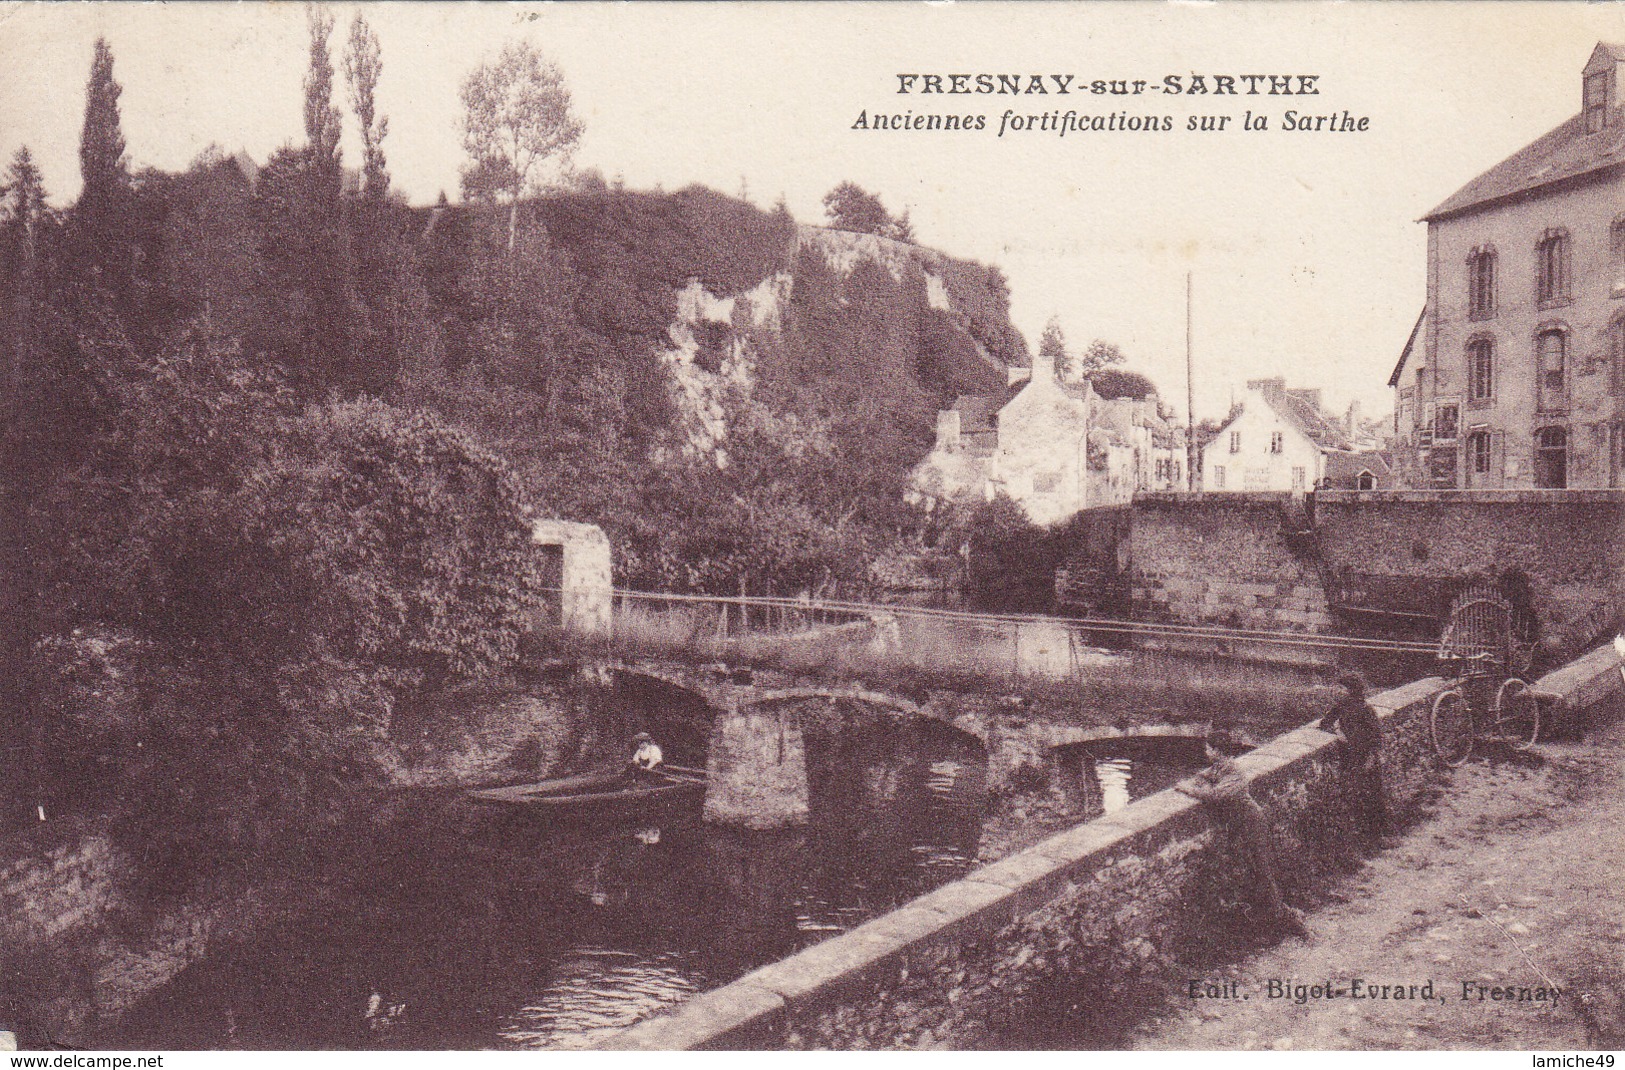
396 543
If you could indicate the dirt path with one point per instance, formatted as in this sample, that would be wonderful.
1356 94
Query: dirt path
1517 881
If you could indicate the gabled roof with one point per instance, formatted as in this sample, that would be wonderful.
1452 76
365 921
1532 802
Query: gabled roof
1299 412
1410 343
1315 425
978 413
1561 155
1606 53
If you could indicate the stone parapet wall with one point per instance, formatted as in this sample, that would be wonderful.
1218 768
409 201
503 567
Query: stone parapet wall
1082 915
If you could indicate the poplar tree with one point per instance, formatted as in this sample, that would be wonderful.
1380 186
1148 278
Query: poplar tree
101 140
363 64
322 122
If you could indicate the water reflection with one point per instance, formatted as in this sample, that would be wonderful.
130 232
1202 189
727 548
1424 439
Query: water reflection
472 931
1113 775
593 993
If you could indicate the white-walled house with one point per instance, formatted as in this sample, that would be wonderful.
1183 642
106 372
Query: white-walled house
1055 447
1280 439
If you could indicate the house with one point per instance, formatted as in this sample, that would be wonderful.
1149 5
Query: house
1281 439
1514 375
1053 446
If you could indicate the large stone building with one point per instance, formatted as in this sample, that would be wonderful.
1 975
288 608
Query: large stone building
1053 446
1514 375
1281 439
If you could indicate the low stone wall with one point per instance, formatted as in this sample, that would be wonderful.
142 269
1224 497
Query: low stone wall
1088 912
72 958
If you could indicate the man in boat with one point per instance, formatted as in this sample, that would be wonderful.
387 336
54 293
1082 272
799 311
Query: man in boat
644 764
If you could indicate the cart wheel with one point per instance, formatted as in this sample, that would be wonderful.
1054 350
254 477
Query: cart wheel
1517 714
1452 727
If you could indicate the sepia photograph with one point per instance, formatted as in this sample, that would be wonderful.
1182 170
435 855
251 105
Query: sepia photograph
757 526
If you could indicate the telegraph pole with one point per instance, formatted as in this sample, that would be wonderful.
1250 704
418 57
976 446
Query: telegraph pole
1190 396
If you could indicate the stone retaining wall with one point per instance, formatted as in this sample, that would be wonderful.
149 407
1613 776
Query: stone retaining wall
1224 559
1342 560
1087 914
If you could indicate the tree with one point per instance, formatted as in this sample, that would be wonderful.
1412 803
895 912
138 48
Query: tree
23 190
900 229
851 207
516 120
322 123
363 63
1100 354
1052 344
101 140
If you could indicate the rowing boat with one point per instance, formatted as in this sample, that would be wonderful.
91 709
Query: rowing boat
676 784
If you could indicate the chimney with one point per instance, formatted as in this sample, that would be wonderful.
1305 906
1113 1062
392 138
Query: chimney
948 430
1272 389
1043 368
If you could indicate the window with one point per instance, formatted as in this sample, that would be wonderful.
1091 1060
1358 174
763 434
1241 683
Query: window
1595 92
1481 283
1176 473
1551 363
1235 442
1445 420
1616 454
1480 369
1046 482
1616 256
1366 481
1551 457
1616 356
1478 452
1300 478
1552 268
1218 477
1276 441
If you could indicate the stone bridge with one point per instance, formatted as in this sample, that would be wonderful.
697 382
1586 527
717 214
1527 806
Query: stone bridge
1011 735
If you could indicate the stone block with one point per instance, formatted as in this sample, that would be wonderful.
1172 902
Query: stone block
851 961
1083 841
1035 878
735 1016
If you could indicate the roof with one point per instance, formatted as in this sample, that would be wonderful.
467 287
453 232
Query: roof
1563 154
1298 409
1304 415
978 413
1410 343
1346 464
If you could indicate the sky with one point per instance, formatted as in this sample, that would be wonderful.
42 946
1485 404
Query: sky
1305 257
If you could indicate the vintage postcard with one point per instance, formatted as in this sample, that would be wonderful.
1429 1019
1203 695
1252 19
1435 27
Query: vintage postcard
775 526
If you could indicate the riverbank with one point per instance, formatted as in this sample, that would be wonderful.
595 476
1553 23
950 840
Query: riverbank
1512 884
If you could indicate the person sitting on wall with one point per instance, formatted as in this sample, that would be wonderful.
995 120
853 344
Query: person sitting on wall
646 758
1362 745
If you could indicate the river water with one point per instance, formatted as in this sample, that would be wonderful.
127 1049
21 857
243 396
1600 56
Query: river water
460 929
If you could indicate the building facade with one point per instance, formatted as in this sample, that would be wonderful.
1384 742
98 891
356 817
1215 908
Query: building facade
1514 376
1281 439
1052 446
